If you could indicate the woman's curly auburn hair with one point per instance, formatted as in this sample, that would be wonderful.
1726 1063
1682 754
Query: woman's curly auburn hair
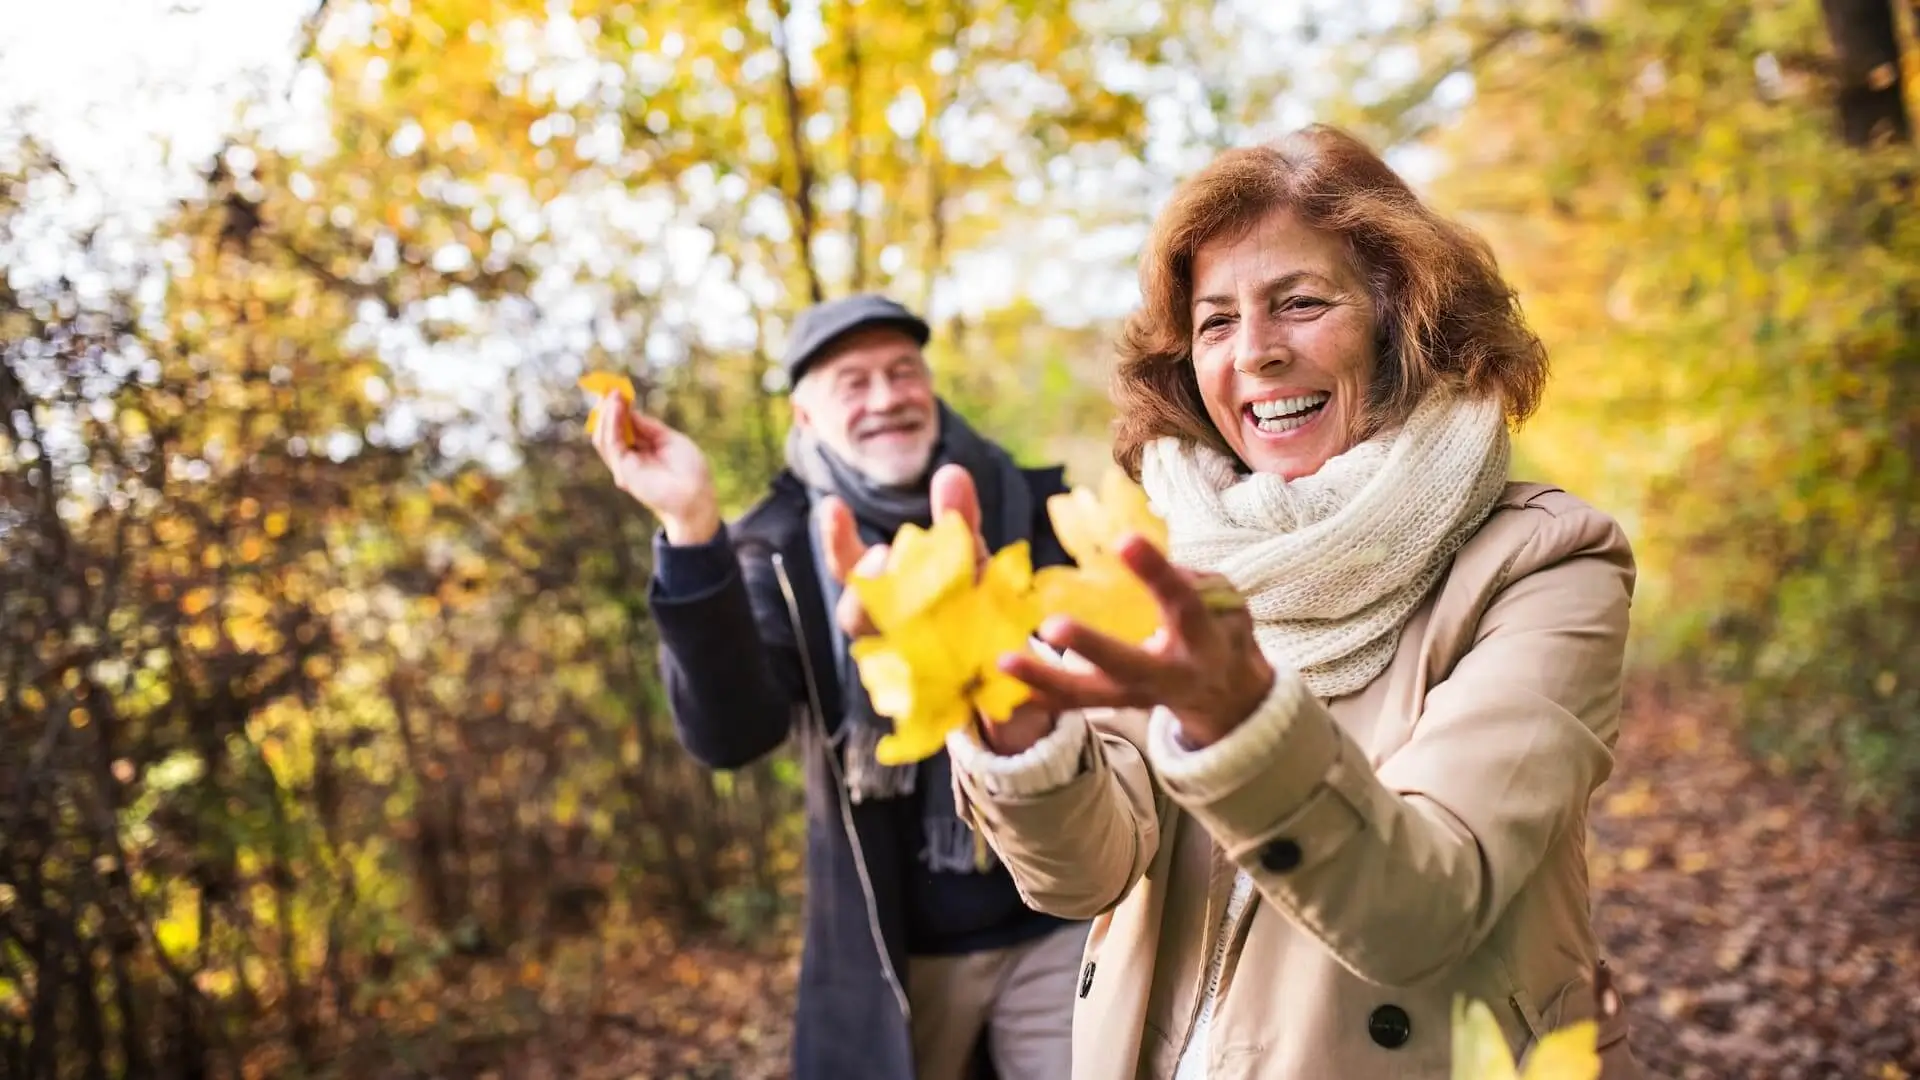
1446 316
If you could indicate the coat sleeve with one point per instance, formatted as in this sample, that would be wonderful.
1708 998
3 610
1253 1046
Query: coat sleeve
1403 870
1076 819
727 651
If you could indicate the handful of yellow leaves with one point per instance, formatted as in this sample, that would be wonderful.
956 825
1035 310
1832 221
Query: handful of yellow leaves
943 627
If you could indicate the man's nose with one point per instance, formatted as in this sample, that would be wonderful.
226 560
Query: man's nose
885 394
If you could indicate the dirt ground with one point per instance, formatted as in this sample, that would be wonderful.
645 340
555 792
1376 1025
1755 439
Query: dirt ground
1755 933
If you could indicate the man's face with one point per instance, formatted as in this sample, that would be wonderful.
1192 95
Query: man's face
871 402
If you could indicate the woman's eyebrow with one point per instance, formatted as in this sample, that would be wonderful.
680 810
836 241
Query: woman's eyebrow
1284 281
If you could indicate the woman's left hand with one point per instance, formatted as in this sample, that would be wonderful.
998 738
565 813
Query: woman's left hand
1204 664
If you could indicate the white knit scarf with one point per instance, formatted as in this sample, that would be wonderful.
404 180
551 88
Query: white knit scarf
1333 564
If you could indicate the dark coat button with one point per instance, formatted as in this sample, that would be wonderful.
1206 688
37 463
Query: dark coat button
1390 1026
1280 856
1086 979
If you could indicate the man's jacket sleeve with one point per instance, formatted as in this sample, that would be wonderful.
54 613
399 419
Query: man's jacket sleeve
727 650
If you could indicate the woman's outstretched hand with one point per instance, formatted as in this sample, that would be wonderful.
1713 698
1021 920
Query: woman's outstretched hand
1204 665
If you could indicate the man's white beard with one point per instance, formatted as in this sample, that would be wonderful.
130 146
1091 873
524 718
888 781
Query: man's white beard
894 470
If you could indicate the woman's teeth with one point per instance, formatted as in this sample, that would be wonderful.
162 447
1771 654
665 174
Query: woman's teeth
1285 414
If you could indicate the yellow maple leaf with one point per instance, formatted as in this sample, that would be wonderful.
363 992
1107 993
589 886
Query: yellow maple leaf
935 659
924 566
1091 524
602 385
1480 1049
1100 592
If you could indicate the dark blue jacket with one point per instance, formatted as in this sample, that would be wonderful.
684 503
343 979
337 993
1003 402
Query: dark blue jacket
736 658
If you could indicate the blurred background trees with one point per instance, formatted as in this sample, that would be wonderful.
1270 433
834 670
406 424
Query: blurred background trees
1710 210
327 698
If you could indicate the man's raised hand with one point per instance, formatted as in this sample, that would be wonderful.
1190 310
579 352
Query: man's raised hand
661 468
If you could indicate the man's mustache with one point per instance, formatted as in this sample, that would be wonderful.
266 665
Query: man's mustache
893 418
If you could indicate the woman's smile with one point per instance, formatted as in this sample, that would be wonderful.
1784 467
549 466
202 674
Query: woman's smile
1281 417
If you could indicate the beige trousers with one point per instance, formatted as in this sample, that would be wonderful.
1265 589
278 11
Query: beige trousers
1022 997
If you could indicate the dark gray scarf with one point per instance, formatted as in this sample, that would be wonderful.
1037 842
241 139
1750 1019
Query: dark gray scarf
1006 515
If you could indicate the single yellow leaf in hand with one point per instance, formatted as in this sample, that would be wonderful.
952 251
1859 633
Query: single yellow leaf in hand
1100 592
602 384
1090 525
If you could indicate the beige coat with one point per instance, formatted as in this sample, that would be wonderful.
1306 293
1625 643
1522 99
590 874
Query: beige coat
1420 839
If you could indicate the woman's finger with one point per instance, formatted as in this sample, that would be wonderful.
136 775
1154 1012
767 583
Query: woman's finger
1186 611
1059 689
1123 664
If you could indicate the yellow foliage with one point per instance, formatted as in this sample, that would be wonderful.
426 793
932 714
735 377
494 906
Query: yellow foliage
1480 1049
1100 592
941 634
942 630
196 600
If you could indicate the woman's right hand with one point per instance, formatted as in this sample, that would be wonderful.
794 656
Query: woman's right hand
952 492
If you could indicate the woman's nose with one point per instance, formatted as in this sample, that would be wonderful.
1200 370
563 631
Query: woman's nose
1256 347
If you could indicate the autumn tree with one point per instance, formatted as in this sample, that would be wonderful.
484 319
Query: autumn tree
1709 209
336 684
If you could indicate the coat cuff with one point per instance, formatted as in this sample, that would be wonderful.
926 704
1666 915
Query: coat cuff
1281 793
687 572
1244 753
1046 766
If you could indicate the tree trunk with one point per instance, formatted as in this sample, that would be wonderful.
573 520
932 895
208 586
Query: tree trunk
800 199
43 1025
936 249
300 1024
857 226
1866 45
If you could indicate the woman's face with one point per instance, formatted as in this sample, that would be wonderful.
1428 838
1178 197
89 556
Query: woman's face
1283 343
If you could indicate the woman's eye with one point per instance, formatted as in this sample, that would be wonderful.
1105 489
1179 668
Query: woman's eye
1302 303
1213 324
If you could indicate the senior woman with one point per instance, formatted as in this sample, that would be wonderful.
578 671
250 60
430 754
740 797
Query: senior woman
1307 820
